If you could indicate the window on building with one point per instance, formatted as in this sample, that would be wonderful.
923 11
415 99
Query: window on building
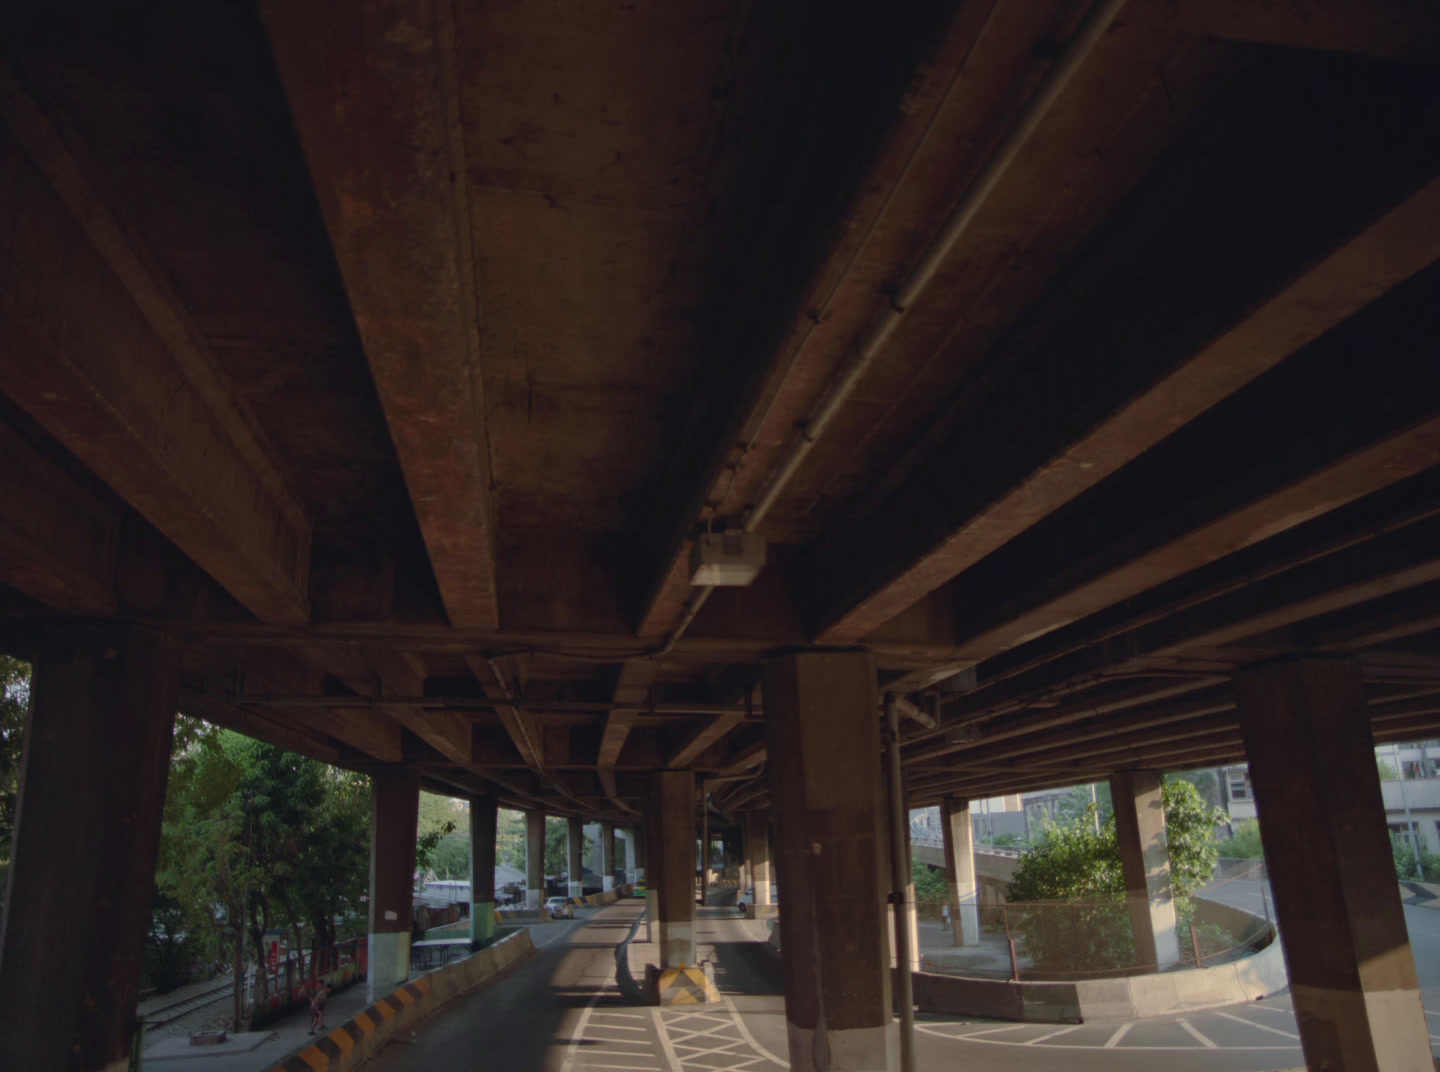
1239 784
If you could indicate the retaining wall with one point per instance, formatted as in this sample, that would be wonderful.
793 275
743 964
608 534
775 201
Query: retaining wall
1134 997
356 1040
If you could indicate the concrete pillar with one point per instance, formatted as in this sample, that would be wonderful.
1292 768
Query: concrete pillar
639 833
484 820
1322 821
607 856
959 834
86 835
628 860
672 800
394 816
534 859
576 839
757 851
823 736
1145 863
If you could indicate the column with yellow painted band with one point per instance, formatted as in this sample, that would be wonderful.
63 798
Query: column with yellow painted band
685 985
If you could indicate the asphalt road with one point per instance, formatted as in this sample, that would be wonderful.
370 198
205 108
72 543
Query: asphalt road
568 1010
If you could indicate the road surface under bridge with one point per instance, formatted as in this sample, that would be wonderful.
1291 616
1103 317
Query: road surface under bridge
569 1010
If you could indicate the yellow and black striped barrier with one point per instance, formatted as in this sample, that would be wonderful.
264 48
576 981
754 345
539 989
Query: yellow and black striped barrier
360 1031
684 985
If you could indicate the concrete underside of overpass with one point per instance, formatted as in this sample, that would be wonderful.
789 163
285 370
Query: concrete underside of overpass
366 380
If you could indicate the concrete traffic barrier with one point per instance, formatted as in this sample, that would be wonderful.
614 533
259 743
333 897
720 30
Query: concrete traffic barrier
684 985
359 1038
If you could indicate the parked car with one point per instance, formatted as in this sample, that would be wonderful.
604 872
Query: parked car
560 908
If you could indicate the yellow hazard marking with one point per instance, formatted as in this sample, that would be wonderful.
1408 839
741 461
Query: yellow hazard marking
403 996
342 1039
315 1059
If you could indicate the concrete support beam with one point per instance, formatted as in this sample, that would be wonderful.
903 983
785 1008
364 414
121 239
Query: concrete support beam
58 540
92 789
576 847
99 351
607 856
534 859
672 803
394 815
484 817
828 795
959 835
1145 861
640 844
757 854
1322 820
407 208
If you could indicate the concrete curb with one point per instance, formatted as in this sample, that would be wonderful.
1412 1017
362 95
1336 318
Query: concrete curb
1136 997
358 1039
596 900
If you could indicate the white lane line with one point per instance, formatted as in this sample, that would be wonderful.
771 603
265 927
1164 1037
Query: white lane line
620 1015
1209 1045
573 1049
624 1053
995 1030
745 1032
1280 1010
1258 1027
1113 1040
1434 1014
628 1068
619 1027
670 1055
1054 1034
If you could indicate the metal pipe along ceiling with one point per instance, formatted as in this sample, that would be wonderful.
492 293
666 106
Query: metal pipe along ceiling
907 291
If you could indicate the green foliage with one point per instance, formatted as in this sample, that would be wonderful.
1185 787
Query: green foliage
1068 895
1010 841
1388 773
1078 804
1407 868
254 838
1069 860
1204 781
1073 861
930 887
510 839
1243 844
14 701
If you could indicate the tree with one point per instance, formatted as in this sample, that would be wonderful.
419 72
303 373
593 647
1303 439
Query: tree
14 702
1243 844
1388 773
1073 863
257 838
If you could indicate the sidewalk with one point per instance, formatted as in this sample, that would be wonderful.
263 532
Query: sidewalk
260 1050
255 1051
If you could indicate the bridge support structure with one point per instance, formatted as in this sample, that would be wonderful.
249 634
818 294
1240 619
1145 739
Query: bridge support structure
575 860
959 835
394 815
672 805
1332 872
484 818
1145 864
823 739
607 856
534 859
92 791
757 855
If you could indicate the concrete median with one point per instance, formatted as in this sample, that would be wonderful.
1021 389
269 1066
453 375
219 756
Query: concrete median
356 1040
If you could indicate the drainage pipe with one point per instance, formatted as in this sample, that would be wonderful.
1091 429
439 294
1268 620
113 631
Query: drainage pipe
868 344
899 883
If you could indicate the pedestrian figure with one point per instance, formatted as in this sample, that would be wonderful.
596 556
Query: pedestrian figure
317 1008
